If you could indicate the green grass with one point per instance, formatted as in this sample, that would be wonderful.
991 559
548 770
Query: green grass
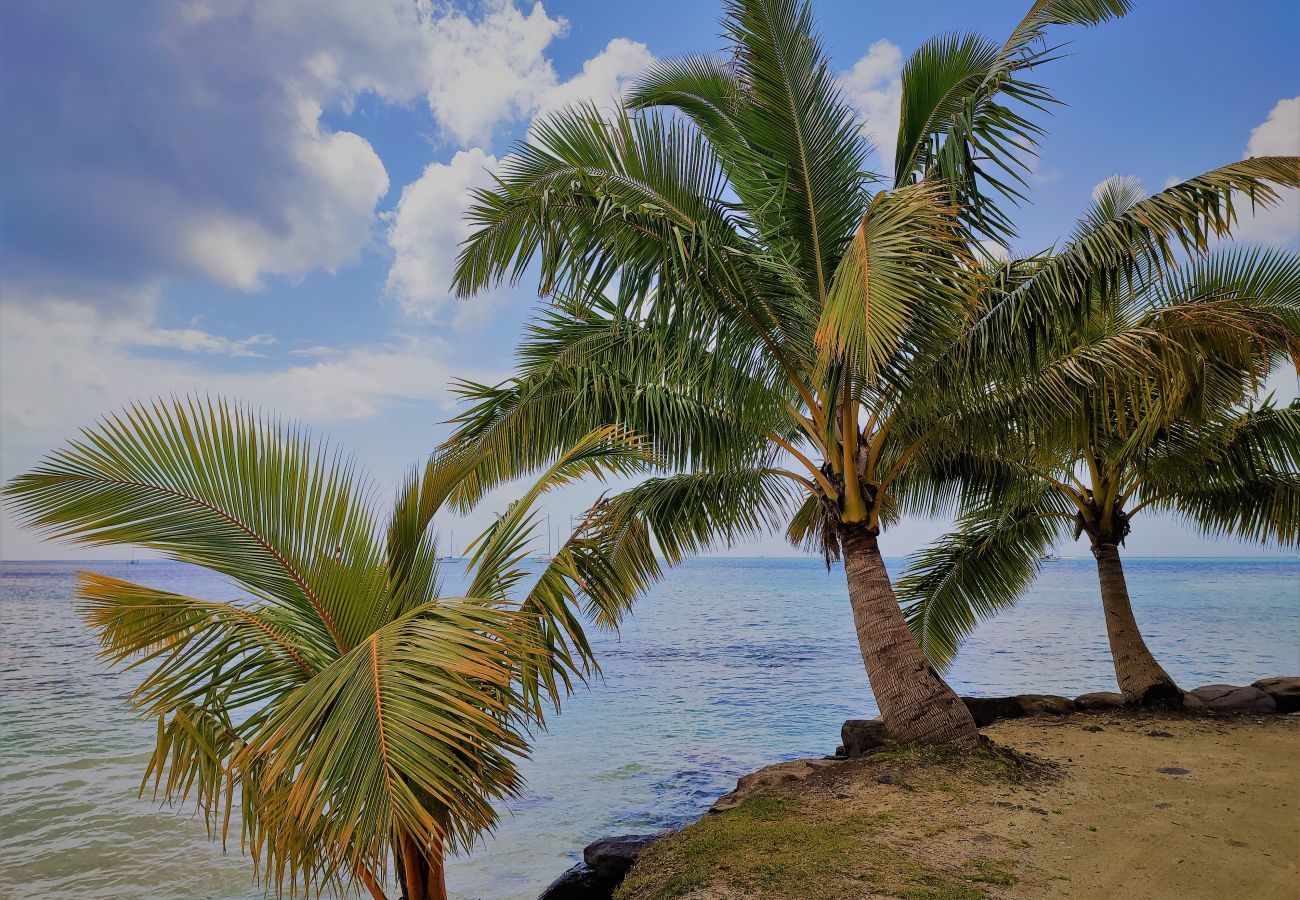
778 847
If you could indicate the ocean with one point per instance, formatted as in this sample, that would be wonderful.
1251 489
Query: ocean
727 665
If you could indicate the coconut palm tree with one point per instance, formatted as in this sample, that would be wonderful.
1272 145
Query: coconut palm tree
805 351
1189 441
354 716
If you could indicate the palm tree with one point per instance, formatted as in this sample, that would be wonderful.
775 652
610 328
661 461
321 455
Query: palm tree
1187 441
351 713
805 352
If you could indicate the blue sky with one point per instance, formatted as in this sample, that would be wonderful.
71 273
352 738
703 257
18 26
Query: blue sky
261 198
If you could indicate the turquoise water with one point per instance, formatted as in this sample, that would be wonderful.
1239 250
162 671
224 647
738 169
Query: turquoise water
727 665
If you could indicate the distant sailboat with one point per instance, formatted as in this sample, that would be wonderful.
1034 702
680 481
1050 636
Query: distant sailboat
451 543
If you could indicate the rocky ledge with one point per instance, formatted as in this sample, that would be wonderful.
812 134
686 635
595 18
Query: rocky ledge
1268 695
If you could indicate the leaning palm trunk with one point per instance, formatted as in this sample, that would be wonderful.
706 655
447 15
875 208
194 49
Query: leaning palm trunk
1142 680
422 872
917 704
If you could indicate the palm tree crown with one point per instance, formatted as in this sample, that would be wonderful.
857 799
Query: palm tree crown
1185 437
351 712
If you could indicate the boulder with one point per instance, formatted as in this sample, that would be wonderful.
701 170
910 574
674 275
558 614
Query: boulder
1232 698
1099 700
1284 691
605 863
577 883
859 736
1045 704
611 857
987 710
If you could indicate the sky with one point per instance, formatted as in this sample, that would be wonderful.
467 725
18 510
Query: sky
261 199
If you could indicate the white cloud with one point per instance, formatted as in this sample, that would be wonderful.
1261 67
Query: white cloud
873 85
493 69
602 79
427 225
1278 135
324 227
63 363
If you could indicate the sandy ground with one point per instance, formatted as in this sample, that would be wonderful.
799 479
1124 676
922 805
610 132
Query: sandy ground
1106 822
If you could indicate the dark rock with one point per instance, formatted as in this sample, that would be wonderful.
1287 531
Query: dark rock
1284 691
1093 728
1231 698
611 857
577 883
1159 734
887 778
1164 806
604 865
1099 700
861 736
1174 770
1045 704
839 751
987 710
1038 809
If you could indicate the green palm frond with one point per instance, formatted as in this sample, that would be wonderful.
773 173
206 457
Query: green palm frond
415 729
689 513
210 484
967 106
978 570
906 262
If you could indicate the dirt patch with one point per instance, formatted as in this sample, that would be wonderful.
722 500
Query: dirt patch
1076 806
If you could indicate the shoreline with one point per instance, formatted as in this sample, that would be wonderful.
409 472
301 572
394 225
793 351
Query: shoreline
1161 805
797 809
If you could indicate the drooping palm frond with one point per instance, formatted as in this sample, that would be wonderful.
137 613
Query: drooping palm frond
907 262
1238 475
978 570
689 513
210 484
413 731
1114 256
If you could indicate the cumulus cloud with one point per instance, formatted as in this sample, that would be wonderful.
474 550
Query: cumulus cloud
875 88
490 69
427 225
168 140
1278 135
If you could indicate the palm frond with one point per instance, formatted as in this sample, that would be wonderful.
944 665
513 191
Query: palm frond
976 571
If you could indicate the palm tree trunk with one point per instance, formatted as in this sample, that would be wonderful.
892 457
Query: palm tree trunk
424 875
916 705
1142 680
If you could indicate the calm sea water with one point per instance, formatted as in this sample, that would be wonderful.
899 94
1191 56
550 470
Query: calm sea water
726 666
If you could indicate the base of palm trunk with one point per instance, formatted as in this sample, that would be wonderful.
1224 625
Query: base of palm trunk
1161 695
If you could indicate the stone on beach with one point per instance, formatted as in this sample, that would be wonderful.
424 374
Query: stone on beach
1284 691
1045 704
605 862
987 710
859 736
1234 698
1099 700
